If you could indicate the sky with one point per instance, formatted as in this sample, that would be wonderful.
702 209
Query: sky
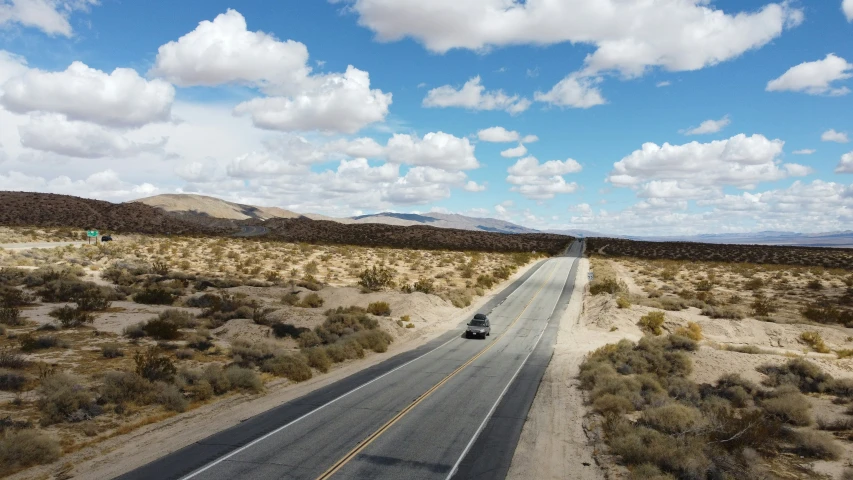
654 117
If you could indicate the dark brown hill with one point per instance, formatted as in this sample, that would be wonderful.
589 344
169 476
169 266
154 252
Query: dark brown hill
417 236
712 252
51 210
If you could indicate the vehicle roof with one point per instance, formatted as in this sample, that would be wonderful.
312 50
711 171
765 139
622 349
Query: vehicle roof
480 316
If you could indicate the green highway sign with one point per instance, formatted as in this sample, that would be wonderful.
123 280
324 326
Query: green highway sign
91 233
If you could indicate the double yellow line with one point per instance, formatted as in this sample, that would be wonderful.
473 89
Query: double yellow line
373 436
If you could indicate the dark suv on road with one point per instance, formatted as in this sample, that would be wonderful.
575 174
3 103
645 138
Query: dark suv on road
479 326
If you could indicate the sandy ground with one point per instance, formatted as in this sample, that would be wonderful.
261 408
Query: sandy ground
123 453
554 443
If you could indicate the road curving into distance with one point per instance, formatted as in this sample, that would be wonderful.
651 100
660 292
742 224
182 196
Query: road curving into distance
453 408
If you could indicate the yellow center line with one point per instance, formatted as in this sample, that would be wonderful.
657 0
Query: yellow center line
373 436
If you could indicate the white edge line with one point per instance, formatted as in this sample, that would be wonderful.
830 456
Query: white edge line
279 429
501 396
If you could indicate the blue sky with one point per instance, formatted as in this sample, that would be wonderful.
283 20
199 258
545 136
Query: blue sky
351 107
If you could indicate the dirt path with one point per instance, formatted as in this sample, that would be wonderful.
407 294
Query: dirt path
553 443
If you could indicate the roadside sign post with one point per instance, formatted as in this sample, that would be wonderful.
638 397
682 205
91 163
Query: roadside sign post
91 234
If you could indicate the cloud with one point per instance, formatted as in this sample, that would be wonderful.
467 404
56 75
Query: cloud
814 78
119 99
804 151
474 96
359 147
628 37
847 7
435 149
739 161
832 136
11 66
339 103
530 139
473 186
498 135
573 91
518 151
845 165
103 185
709 126
664 83
223 51
542 181
49 16
55 133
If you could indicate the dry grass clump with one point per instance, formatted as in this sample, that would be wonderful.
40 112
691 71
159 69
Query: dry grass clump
292 367
24 448
692 331
652 322
684 430
380 309
814 340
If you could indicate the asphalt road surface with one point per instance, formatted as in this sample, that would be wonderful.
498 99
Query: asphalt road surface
453 408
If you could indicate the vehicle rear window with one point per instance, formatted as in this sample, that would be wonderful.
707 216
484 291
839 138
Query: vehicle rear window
478 322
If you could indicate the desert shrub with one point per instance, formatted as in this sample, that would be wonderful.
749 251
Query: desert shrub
126 387
652 322
31 343
308 339
486 281
424 285
606 285
155 296
310 283
750 349
181 318
184 353
153 366
502 272
376 340
134 331
704 286
381 309
763 306
673 419
11 316
841 425
25 448
200 340
251 354
459 298
789 406
281 330
12 381
60 397
623 302
71 317
824 312
814 340
693 331
814 285
812 444
805 375
215 376
111 351
376 278
170 397
244 379
610 404
161 329
318 358
290 298
294 368
312 300
10 359
753 284
727 312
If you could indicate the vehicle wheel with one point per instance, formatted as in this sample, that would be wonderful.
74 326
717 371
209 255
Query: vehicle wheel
488 334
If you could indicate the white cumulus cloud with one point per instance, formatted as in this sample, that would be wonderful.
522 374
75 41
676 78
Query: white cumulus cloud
119 99
832 136
709 126
498 135
845 165
435 149
542 181
339 103
573 91
804 151
815 78
224 51
473 186
54 133
847 7
49 16
518 151
627 36
474 96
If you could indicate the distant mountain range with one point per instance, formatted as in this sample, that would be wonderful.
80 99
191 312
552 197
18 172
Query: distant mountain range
211 207
204 207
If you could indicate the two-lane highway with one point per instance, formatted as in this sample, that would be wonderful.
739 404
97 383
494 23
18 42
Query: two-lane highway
416 416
